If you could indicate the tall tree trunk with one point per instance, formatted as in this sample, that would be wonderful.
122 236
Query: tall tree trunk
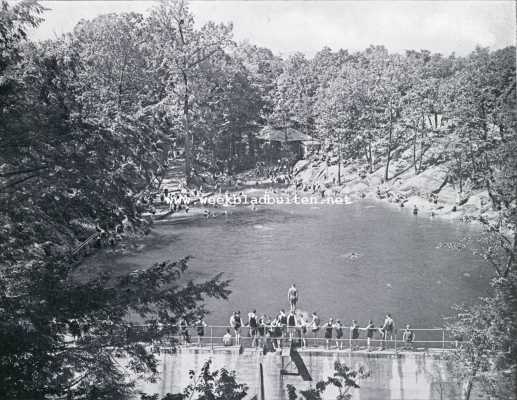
339 163
370 155
421 155
230 156
368 159
388 155
470 382
186 126
251 149
468 390
120 83
460 175
186 122
414 150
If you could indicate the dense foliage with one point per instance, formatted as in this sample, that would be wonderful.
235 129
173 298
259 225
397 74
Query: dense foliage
343 381
486 355
87 122
81 150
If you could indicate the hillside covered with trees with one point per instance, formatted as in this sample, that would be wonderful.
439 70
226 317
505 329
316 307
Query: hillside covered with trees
88 121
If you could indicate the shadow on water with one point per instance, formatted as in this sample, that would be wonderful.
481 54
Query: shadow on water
119 260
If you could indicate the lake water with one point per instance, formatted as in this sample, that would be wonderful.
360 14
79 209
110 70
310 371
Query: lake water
357 261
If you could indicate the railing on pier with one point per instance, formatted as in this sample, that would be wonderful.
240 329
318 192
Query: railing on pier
212 337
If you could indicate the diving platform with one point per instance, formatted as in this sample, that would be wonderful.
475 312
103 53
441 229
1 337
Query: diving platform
308 351
394 374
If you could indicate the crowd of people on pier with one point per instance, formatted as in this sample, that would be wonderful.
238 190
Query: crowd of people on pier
294 326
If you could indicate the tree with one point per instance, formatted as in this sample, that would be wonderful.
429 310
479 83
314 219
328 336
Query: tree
344 380
207 385
486 351
264 68
481 113
294 95
424 102
15 20
338 112
46 303
75 162
66 163
179 52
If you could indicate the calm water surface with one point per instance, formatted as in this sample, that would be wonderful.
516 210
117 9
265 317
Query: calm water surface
397 268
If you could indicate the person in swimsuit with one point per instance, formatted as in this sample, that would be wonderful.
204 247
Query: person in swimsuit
200 329
184 331
329 326
270 333
282 324
303 323
227 338
292 296
275 333
291 325
354 335
339 334
370 329
408 336
315 324
262 327
253 325
236 323
387 330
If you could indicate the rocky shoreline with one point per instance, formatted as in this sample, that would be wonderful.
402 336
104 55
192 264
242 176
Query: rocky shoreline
426 193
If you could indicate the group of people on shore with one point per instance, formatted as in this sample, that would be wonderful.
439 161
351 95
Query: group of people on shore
281 172
294 326
179 200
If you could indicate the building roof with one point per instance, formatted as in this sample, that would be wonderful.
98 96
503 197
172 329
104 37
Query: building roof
282 135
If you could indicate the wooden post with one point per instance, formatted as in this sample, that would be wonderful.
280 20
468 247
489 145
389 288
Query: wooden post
211 338
443 339
261 383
